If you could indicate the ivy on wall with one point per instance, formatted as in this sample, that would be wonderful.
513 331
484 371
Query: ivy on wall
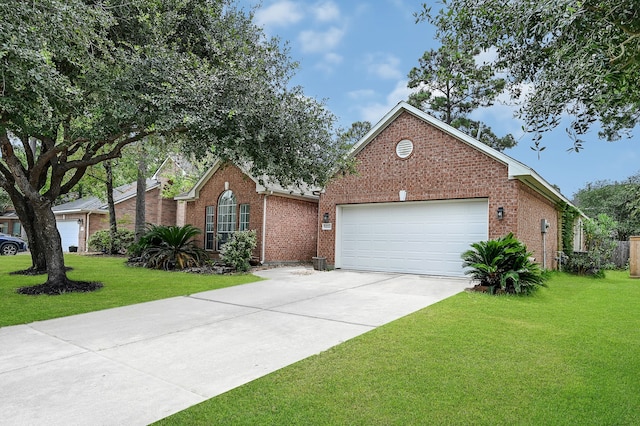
569 215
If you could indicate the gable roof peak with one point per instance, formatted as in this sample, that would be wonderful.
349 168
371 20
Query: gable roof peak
517 170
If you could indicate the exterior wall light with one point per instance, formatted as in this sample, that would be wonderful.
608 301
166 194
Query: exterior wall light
325 218
500 213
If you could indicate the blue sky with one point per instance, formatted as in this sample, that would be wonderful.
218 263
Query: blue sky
356 54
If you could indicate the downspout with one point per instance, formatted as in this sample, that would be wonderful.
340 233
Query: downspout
264 229
318 226
544 250
86 233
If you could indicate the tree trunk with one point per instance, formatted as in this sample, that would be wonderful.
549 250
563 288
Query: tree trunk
141 190
57 281
57 274
28 219
113 226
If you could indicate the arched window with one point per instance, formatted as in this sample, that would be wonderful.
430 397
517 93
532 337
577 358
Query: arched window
226 217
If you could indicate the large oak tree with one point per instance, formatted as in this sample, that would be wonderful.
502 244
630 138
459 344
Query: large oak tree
80 80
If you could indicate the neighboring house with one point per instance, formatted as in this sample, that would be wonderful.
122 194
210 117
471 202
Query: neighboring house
228 198
423 192
79 219
10 224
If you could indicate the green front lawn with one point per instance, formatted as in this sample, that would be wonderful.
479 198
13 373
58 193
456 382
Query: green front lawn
568 355
122 286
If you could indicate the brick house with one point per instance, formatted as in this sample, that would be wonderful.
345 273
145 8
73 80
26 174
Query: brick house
423 192
228 198
79 219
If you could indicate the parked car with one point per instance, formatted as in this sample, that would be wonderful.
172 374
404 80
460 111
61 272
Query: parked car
11 245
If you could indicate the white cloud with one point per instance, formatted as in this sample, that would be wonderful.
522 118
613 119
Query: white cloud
374 111
282 13
357 95
329 62
385 66
319 41
326 11
333 58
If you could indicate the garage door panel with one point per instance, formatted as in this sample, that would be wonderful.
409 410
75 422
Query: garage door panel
413 237
68 230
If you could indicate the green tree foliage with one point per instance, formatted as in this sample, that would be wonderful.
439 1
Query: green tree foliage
5 201
450 85
238 250
569 216
575 58
356 132
483 133
503 263
81 80
618 200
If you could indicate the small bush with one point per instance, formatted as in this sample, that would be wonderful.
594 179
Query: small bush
582 263
237 251
503 263
101 241
600 244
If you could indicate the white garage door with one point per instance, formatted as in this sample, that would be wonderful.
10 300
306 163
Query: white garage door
68 232
410 237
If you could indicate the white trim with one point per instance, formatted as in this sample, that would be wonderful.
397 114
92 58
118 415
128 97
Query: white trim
338 238
264 228
86 232
155 175
194 193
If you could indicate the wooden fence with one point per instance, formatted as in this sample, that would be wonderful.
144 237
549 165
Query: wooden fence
620 255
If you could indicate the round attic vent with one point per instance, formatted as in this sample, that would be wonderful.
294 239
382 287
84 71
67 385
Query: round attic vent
404 148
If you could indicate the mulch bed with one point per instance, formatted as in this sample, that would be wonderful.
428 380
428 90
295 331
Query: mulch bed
54 289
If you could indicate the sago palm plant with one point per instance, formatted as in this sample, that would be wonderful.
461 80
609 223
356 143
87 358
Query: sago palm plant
172 247
503 263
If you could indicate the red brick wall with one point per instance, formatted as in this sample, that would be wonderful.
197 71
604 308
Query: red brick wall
158 210
291 230
532 208
245 191
440 167
291 223
126 210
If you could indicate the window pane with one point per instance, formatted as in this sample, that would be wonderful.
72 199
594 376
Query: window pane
244 217
209 230
226 217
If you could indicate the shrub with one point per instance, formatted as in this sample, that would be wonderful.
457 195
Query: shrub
101 241
171 247
600 247
503 263
581 263
237 251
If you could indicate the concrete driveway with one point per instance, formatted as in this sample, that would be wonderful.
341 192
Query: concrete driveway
137 364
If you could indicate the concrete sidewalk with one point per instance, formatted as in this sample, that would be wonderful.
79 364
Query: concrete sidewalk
137 364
